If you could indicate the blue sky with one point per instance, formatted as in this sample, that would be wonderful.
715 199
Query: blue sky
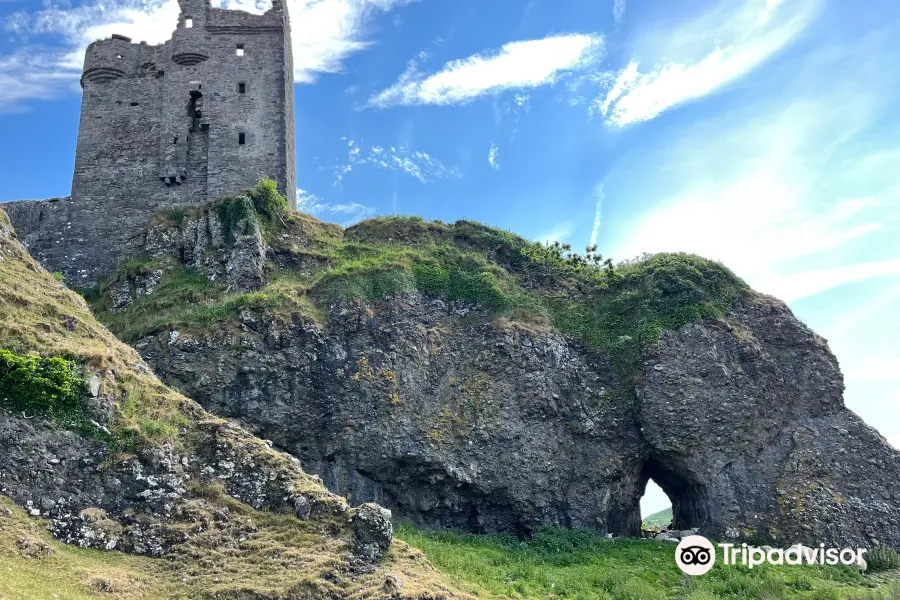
762 133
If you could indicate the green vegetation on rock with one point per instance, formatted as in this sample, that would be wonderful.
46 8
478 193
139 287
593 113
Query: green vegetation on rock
618 309
882 559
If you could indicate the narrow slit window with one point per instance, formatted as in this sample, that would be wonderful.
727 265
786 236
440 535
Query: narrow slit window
242 88
242 139
175 140
188 23
239 50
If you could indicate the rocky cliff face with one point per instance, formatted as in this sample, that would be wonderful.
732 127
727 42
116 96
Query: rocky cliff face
449 418
454 412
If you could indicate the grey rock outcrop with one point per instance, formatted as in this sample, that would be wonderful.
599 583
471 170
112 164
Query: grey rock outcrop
137 504
195 239
748 433
453 420
485 426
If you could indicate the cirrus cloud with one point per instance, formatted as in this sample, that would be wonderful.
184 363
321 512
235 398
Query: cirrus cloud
516 65
701 57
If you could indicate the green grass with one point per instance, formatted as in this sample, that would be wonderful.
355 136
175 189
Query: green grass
581 565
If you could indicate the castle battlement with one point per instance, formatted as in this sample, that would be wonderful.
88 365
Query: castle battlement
203 115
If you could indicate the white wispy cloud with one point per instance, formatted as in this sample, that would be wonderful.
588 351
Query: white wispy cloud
324 34
417 164
808 283
701 57
618 10
560 232
784 192
493 154
517 65
598 214
346 214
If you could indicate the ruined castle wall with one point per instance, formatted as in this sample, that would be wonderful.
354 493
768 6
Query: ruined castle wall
45 228
162 126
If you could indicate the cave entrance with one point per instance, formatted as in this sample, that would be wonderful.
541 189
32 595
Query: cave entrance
687 495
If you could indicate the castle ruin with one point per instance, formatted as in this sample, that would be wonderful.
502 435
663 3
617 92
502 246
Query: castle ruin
203 115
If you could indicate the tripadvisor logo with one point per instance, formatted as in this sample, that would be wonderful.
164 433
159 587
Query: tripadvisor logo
696 555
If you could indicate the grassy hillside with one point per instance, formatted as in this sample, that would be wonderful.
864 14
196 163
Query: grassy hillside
555 564
659 519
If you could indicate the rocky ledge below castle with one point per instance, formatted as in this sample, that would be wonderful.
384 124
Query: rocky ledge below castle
455 414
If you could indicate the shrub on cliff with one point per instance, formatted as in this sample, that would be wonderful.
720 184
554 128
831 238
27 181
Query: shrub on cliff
49 387
267 201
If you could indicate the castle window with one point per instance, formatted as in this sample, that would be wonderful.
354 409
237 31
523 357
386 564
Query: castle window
240 50
174 140
242 139
188 23
242 88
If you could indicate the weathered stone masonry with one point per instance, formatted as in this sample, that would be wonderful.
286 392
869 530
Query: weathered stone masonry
203 115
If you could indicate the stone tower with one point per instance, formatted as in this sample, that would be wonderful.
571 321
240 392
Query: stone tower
203 115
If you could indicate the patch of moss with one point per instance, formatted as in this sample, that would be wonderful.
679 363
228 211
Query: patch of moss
133 266
176 214
237 212
625 310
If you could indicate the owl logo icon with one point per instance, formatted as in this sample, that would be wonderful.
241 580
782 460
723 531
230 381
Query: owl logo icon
695 555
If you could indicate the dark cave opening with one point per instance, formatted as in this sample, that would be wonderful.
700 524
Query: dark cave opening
688 495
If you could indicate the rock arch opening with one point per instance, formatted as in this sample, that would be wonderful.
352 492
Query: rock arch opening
688 495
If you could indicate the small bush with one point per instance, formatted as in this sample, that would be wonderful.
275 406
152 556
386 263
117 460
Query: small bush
133 266
267 201
882 559
48 387
176 214
59 276
234 211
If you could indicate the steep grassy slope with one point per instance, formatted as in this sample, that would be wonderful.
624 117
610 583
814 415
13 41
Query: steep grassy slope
250 554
